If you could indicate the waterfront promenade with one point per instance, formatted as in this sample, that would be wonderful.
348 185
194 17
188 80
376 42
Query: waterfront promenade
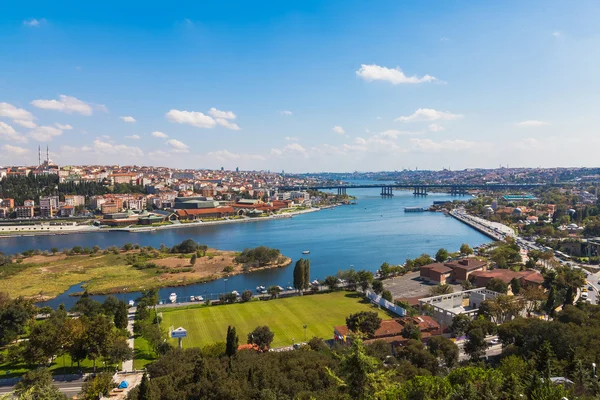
494 230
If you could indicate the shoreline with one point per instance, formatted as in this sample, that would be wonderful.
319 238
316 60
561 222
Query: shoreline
88 229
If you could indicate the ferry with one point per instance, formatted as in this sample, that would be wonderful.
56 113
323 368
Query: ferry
306 252
173 297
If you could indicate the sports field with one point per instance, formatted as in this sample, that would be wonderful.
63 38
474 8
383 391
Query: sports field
285 317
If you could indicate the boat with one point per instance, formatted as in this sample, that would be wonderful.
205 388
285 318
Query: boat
173 297
199 298
192 298
260 288
306 252
131 303
289 288
280 288
315 283
264 291
235 292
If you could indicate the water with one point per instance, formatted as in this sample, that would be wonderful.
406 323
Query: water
361 236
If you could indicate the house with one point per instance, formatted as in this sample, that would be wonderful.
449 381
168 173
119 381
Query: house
455 271
526 278
24 212
67 211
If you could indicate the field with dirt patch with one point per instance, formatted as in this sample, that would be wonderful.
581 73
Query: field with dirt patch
46 276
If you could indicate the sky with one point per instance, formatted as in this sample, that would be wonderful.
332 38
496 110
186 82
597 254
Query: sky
301 86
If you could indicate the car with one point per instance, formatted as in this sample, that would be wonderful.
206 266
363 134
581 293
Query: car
590 288
584 295
495 342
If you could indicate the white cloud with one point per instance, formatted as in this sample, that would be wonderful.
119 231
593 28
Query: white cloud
66 127
66 104
133 137
291 139
285 112
9 111
108 148
532 123
25 123
227 124
339 130
444 39
292 149
221 114
395 76
226 155
394 134
436 128
44 133
428 145
429 114
128 119
34 23
14 149
556 34
178 147
7 132
160 135
193 118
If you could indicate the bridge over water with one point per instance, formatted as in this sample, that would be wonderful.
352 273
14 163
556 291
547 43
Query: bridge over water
421 189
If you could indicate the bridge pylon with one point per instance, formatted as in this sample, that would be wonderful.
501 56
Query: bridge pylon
386 191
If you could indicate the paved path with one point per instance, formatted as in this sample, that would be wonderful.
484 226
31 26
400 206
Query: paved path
128 365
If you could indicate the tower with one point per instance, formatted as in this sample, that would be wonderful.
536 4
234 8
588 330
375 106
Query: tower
47 155
39 155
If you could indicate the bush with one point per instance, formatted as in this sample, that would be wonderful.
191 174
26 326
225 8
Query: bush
246 295
261 256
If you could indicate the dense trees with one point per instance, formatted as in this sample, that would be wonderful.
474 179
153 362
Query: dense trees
232 341
262 336
441 255
14 317
497 285
364 323
302 274
465 250
259 256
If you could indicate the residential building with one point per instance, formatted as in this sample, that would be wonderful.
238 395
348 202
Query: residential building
526 278
29 203
67 211
48 206
4 212
8 203
24 212
74 200
110 207
455 271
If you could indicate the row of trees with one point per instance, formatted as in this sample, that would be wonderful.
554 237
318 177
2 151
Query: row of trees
259 256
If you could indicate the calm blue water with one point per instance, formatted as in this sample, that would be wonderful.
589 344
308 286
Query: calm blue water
361 236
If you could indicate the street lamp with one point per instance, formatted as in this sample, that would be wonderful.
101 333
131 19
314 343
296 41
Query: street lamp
306 326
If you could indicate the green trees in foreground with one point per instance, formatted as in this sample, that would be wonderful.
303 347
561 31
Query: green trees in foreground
302 274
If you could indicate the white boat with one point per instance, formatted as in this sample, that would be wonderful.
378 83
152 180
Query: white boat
199 298
192 298
173 297
280 288
315 283
289 288
131 303
264 291
260 288
235 292
306 252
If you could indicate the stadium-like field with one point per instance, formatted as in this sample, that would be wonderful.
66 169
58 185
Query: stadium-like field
286 317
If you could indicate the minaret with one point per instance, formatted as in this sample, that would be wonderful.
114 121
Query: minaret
39 155
47 155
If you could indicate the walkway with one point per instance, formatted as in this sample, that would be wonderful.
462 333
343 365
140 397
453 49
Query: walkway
128 365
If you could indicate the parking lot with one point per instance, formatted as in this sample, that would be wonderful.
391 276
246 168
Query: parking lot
409 285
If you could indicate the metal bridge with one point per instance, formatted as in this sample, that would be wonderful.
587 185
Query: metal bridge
420 189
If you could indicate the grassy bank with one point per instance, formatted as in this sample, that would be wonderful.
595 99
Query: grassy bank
285 317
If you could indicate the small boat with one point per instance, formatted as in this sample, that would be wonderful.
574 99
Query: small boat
315 283
264 291
260 288
306 252
235 292
192 298
131 303
173 297
280 288
199 298
289 288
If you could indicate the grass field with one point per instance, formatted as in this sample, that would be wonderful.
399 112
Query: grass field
285 317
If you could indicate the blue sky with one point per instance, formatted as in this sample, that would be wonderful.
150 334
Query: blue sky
301 85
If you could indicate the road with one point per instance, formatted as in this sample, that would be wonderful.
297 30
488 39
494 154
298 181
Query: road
69 388
128 365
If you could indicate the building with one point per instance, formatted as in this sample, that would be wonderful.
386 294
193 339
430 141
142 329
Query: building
29 203
205 213
24 212
48 206
8 203
455 271
190 203
96 202
74 200
110 208
447 306
4 212
67 211
526 278
126 178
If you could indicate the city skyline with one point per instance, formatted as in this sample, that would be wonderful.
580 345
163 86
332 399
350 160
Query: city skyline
302 87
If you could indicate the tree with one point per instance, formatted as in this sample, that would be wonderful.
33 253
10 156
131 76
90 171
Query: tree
14 317
440 289
358 371
118 350
377 286
445 349
185 247
476 344
411 331
246 296
231 345
87 306
121 318
515 286
273 291
193 259
385 270
364 323
387 295
98 386
301 275
441 255
331 282
466 250
306 272
497 285
261 336
365 278
96 339
110 305
144 391
36 380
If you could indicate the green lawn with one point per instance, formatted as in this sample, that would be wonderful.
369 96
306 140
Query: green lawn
142 353
61 365
285 317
